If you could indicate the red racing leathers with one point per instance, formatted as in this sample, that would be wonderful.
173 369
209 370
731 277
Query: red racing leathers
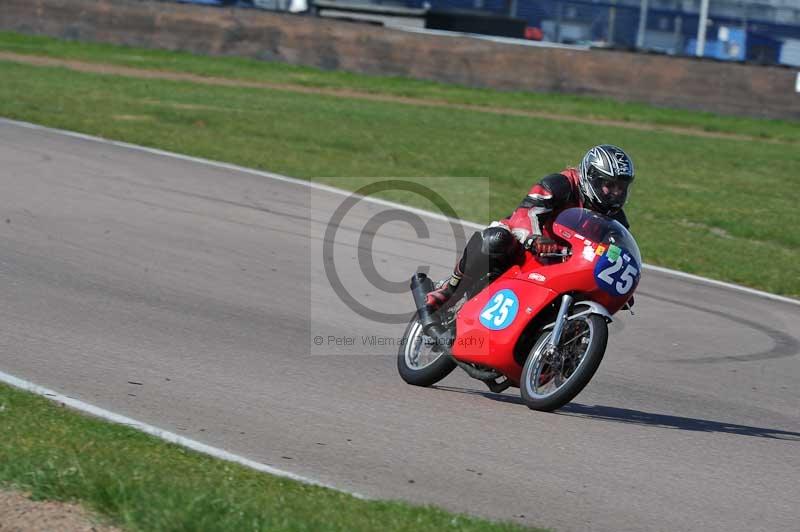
546 199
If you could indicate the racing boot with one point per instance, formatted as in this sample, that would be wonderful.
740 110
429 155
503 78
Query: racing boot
438 297
435 300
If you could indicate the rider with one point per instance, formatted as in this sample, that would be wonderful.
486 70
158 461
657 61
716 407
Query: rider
601 184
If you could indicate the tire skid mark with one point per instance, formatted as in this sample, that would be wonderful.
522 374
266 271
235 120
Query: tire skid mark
785 346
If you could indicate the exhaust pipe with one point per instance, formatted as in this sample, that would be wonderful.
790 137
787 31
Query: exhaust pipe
420 286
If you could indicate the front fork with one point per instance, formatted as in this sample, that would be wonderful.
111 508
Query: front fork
561 319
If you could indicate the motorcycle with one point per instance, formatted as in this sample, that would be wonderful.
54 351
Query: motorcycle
541 326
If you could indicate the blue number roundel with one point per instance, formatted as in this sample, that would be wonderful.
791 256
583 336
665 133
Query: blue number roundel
500 311
617 272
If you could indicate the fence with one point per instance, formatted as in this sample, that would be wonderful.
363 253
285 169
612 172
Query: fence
669 26
764 31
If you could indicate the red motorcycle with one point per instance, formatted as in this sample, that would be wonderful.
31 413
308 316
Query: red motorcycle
542 326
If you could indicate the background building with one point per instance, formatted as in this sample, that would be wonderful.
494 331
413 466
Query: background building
760 31
766 31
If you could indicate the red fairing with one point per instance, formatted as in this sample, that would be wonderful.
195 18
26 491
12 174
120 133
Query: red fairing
477 344
489 325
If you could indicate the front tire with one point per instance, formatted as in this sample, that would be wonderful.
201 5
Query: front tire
420 363
545 383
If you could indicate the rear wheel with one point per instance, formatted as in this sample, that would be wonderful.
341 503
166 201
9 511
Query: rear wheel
552 378
420 361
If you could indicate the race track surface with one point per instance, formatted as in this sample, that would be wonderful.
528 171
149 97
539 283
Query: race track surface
188 296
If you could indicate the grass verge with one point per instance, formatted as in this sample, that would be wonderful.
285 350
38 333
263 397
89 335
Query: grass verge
584 107
143 483
721 208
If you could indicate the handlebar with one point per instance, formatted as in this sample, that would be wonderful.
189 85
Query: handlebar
565 252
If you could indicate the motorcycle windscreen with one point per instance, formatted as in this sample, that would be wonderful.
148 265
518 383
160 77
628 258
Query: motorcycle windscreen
600 229
616 259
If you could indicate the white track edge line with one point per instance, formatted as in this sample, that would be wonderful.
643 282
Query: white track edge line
378 201
723 284
163 434
243 169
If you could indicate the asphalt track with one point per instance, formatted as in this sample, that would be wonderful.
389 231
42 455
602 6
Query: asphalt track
188 296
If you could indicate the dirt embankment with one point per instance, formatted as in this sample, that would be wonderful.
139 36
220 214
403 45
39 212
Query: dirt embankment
20 514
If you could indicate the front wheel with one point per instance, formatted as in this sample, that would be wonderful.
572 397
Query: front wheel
552 378
420 361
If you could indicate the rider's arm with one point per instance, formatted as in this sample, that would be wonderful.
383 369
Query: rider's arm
534 212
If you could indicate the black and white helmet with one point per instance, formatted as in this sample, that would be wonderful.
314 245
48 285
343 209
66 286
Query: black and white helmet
606 175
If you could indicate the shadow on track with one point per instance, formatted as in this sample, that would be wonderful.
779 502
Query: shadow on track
637 417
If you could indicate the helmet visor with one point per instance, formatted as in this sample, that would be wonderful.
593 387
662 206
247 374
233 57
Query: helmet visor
612 192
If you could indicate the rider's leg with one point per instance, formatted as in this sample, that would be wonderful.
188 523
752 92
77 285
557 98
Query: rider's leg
498 252
492 250
437 298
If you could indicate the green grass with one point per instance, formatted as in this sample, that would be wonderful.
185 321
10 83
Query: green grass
142 483
254 70
721 208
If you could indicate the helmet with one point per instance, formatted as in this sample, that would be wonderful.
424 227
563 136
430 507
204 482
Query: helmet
606 174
